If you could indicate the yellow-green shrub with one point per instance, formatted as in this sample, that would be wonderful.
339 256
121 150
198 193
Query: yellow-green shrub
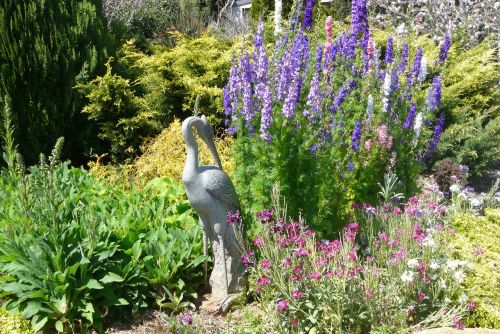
13 323
163 156
483 282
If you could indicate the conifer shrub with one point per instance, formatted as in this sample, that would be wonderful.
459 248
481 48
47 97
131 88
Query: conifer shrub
476 240
46 48
13 323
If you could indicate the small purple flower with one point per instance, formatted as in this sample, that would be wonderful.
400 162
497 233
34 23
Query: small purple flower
314 97
186 318
258 242
457 322
356 136
411 116
339 99
265 216
389 51
443 52
420 297
471 306
282 305
265 264
233 217
263 281
308 15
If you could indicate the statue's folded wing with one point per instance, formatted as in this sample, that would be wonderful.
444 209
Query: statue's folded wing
219 185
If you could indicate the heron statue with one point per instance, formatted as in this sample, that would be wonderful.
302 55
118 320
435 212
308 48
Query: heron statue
212 196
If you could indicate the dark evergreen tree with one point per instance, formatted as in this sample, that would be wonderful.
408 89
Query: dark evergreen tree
46 47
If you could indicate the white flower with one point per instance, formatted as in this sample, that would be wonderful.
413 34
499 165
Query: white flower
407 276
369 108
442 284
418 124
423 70
429 242
452 264
412 263
447 300
387 91
434 266
475 202
459 276
463 298
455 188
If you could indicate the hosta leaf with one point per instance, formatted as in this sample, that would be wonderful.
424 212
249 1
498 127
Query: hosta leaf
33 308
111 277
94 284
59 326
38 323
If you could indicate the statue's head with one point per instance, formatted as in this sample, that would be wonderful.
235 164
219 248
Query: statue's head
206 132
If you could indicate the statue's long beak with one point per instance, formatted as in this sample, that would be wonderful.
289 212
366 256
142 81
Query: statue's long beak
213 150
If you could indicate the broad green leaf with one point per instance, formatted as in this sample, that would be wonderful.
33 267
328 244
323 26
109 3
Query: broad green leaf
38 323
59 326
111 277
94 284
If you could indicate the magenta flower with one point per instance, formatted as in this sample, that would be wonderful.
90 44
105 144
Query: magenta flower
297 294
233 217
396 211
287 262
471 305
282 305
265 264
368 294
258 242
478 251
420 297
301 252
368 144
265 216
315 275
264 280
457 322
353 256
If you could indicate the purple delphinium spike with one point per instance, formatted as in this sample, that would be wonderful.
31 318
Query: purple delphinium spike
443 52
300 56
411 116
259 55
415 68
314 99
308 15
404 58
359 17
227 103
284 66
434 94
266 120
247 87
339 98
356 136
438 129
389 51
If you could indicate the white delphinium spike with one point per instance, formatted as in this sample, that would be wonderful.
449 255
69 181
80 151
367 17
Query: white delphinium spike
278 5
423 70
418 124
387 91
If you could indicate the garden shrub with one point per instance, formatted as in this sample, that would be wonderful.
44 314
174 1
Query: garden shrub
476 240
326 119
163 156
11 323
389 272
146 89
76 254
47 47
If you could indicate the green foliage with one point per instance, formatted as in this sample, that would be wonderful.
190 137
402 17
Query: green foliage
262 8
75 254
124 120
13 323
476 240
145 91
46 47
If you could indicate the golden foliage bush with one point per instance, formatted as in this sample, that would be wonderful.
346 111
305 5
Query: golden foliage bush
476 241
11 323
163 156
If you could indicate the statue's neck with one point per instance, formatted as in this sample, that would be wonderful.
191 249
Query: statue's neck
192 150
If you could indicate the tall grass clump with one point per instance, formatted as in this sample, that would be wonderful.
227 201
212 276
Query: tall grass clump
326 118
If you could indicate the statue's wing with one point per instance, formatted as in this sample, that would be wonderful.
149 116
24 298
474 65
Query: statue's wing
219 185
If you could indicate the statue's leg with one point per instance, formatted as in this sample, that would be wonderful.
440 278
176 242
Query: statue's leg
205 250
223 254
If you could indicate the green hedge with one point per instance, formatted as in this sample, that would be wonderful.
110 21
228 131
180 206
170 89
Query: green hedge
13 323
